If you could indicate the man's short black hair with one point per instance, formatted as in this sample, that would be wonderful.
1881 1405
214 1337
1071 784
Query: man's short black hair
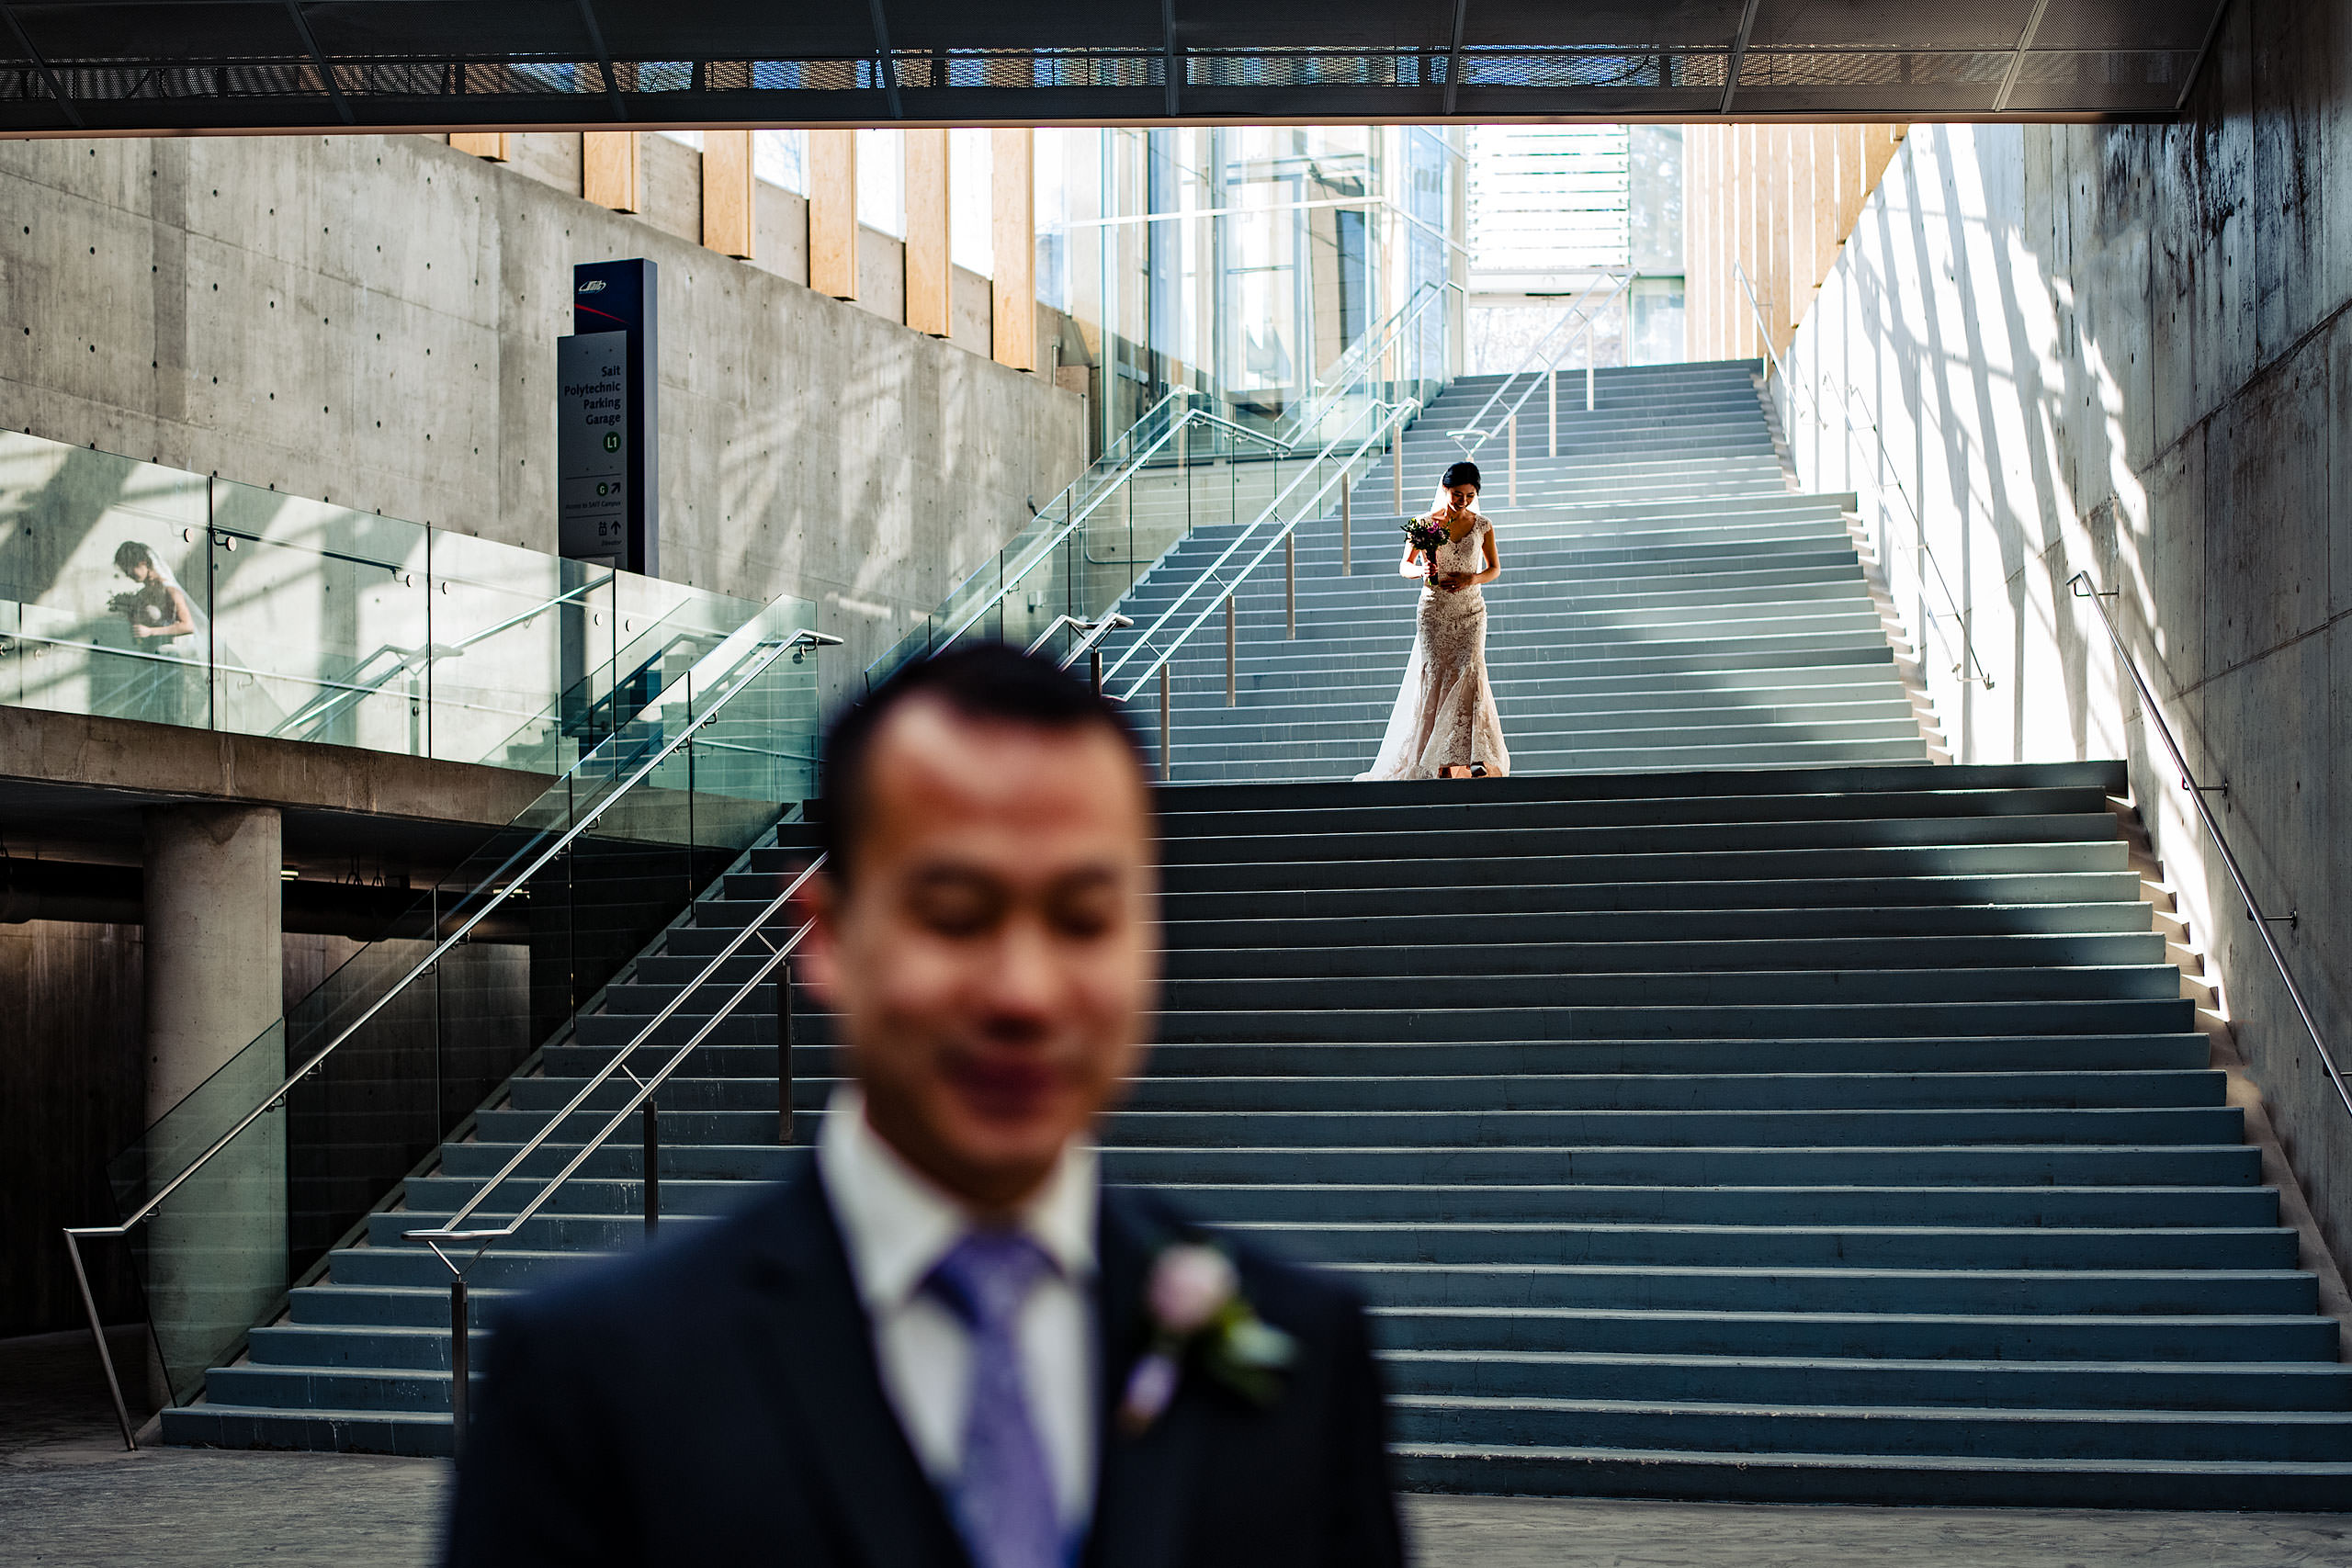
987 680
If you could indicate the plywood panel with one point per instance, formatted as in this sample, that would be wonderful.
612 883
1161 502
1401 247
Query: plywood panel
729 208
832 213
490 144
1013 230
929 299
609 170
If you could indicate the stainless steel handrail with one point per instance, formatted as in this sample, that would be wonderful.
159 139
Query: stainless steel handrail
1370 346
453 1229
1095 631
2081 586
505 885
1574 311
448 1229
318 710
1079 515
1395 417
642 1101
1846 413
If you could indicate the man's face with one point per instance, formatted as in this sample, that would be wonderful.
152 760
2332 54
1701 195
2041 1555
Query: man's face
993 959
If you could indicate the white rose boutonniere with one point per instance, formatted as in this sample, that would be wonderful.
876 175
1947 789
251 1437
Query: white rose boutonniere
1197 1311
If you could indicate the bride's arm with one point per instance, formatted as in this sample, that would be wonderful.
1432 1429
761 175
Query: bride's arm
1494 568
1410 566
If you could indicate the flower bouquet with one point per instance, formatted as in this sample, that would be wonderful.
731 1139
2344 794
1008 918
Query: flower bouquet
1427 534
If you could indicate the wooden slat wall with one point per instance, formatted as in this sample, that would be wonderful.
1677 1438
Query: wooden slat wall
1013 232
1776 202
728 214
608 169
832 213
929 270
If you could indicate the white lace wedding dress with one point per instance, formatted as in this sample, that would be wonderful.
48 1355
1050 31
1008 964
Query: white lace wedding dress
1446 710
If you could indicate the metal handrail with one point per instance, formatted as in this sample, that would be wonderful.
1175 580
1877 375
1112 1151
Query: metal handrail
1395 416
1095 631
771 650
1574 311
1367 348
319 709
452 1230
2080 584
447 1230
1079 515
1846 413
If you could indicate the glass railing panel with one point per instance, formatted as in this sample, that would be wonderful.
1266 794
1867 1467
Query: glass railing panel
977 607
321 622
102 559
134 590
513 630
419 1052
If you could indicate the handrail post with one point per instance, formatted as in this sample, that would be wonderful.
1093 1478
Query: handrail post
1229 651
1397 468
1514 458
1095 668
1290 586
783 1032
1588 367
99 1334
1167 764
1551 409
652 1169
460 1372
1347 531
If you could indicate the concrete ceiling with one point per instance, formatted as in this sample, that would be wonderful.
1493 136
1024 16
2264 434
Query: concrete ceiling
72 67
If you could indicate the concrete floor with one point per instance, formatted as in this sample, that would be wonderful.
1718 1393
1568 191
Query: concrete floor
70 1497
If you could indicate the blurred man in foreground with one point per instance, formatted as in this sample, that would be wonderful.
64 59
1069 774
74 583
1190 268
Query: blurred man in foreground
941 1340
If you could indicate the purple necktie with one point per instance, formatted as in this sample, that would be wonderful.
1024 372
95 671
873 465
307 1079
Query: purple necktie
1005 1496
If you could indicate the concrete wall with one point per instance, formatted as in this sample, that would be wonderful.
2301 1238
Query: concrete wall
2126 351
73 1094
372 321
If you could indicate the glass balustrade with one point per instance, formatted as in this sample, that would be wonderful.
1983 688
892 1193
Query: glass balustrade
132 590
1188 463
416 1047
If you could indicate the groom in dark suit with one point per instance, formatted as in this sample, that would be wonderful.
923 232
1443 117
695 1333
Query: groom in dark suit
941 1340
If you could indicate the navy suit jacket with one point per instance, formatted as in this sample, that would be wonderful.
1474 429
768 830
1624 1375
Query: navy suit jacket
716 1401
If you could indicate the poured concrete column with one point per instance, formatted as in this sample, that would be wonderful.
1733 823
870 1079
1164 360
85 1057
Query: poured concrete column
216 1250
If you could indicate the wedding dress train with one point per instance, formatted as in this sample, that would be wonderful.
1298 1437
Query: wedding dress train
1445 709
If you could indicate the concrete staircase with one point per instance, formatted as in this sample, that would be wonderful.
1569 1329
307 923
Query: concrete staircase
1794 1133
1830 1127
1665 602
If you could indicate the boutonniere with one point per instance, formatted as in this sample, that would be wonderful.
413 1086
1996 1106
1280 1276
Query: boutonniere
1198 1311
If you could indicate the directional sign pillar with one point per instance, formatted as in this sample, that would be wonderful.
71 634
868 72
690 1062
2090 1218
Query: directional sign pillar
608 472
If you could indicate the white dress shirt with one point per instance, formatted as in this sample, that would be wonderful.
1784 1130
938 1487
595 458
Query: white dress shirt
896 1225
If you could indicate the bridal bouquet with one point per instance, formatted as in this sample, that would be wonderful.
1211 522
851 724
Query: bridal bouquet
1426 534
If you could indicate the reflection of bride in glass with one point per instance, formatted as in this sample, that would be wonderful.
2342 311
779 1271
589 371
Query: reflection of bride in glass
1445 724
160 618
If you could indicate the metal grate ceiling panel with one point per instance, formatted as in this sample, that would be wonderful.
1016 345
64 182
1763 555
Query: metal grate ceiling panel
160 66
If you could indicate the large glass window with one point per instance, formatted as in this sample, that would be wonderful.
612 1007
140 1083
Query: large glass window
1249 264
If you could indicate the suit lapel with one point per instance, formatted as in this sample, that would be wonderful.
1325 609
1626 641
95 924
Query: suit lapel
1145 1486
807 1335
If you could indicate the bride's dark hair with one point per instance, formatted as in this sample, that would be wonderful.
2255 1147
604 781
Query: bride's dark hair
1462 473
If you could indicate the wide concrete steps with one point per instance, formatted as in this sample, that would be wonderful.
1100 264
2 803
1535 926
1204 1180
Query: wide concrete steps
1651 541
1812 1128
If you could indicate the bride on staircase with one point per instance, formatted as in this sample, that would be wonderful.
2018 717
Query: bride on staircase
1444 717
